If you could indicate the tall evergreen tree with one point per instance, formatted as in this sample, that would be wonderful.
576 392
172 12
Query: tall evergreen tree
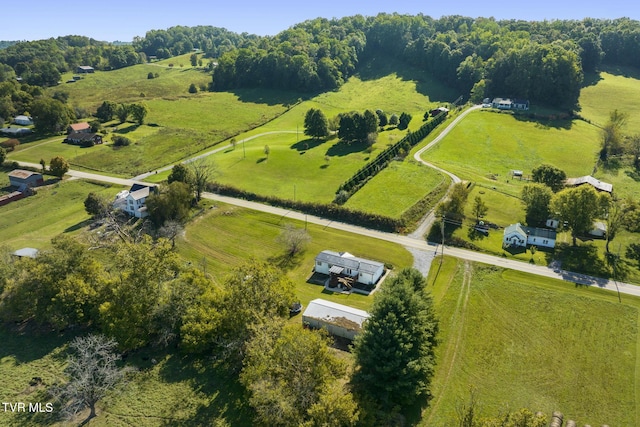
395 352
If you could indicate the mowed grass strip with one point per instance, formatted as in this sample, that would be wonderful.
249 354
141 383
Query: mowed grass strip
55 209
523 341
486 146
395 189
227 235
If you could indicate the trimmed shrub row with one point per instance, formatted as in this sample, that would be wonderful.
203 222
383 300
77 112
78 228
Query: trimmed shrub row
353 184
325 210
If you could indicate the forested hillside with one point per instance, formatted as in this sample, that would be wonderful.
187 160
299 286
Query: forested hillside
541 61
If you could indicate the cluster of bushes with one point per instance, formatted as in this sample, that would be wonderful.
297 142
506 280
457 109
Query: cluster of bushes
353 184
120 141
325 210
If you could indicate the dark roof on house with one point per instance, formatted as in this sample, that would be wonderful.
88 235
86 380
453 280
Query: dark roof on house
521 101
81 136
545 233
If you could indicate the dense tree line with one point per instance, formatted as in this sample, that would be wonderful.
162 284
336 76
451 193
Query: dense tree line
541 61
178 40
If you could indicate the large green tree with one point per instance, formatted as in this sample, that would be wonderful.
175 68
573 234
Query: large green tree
316 124
58 166
172 203
536 198
578 207
550 176
290 374
394 354
139 112
51 115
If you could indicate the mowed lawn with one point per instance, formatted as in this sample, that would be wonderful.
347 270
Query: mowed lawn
55 209
614 88
522 341
395 189
213 242
486 146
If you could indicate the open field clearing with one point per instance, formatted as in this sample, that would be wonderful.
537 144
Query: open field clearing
487 145
131 84
212 242
57 208
523 341
396 189
614 88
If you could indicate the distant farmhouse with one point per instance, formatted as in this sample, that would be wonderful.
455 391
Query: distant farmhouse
588 179
15 131
510 104
339 320
83 127
132 201
83 139
23 120
85 69
519 236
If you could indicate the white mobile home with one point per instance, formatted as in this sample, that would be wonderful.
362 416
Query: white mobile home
343 263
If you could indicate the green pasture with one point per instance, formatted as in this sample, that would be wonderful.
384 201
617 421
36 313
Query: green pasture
130 84
486 146
306 170
613 88
395 189
212 242
520 341
55 209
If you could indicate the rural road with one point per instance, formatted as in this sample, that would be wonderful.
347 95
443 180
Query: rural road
409 241
428 220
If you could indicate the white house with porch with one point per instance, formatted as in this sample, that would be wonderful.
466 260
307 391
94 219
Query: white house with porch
520 236
343 263
132 201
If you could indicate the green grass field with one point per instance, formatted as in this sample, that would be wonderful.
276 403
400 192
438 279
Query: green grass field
212 242
613 88
396 189
57 208
524 341
485 147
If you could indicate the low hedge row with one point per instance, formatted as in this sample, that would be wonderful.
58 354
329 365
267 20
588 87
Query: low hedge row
325 210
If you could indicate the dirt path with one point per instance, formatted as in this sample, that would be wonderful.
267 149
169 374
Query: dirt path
456 335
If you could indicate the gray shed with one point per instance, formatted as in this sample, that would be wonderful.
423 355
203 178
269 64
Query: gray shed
339 320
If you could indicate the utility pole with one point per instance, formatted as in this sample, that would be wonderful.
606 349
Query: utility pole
442 231
244 152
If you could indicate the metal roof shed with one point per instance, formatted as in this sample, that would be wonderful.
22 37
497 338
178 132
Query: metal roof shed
339 320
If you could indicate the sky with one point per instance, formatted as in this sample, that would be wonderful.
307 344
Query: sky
122 20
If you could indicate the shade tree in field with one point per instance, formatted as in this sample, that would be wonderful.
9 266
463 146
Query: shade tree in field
58 166
394 354
394 120
93 371
122 112
225 319
536 198
382 118
293 379
479 208
578 207
294 239
96 205
612 134
403 121
203 171
550 176
106 111
316 124
356 127
139 112
171 203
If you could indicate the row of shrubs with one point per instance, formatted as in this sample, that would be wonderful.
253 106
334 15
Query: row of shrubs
353 184
325 210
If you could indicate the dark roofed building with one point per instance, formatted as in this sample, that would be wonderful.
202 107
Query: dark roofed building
85 69
84 139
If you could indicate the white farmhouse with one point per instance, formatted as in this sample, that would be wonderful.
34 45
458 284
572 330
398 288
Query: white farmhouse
519 236
343 263
132 201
